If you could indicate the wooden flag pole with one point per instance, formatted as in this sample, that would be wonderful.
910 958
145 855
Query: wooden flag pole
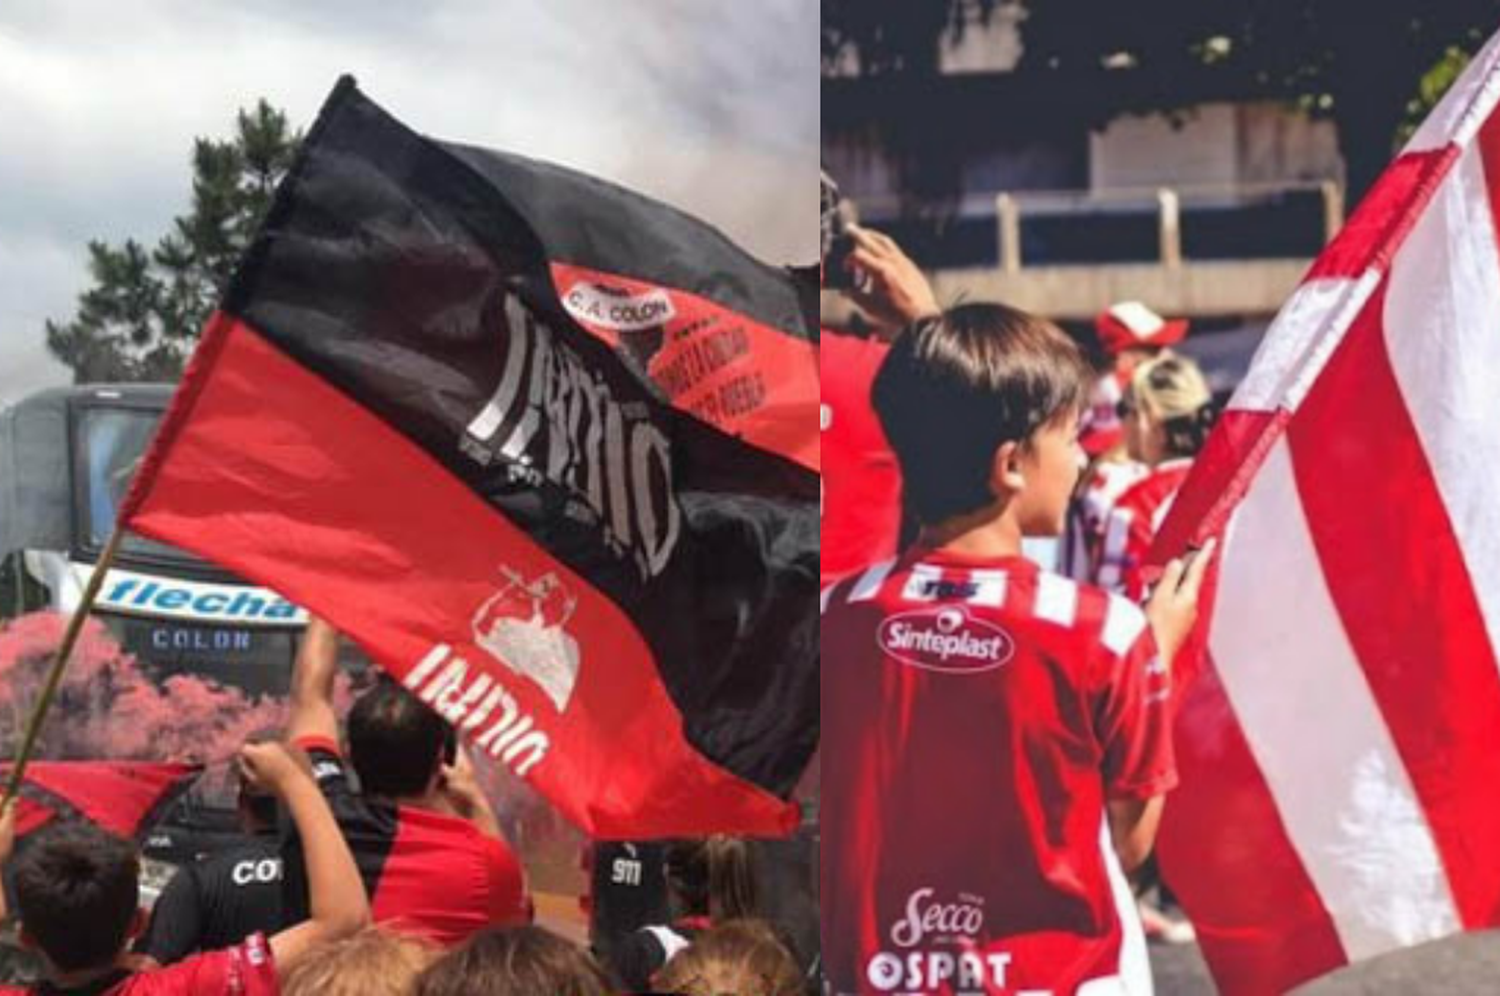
54 676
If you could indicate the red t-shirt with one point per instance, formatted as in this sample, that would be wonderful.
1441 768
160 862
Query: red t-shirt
979 716
1130 528
861 481
247 969
427 874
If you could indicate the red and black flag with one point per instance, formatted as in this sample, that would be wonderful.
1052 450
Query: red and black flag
545 448
124 797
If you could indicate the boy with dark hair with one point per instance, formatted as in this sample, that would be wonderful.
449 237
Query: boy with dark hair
77 897
428 845
1001 733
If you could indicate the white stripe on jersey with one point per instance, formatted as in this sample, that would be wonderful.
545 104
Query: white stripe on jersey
989 588
825 598
870 582
1116 543
1134 977
1056 599
1123 623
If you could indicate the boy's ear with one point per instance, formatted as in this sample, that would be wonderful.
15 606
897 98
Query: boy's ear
1005 470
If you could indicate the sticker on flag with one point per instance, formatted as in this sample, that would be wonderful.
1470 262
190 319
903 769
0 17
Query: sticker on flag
546 449
1338 727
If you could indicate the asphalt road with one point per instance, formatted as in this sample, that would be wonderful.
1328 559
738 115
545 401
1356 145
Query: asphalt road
1461 966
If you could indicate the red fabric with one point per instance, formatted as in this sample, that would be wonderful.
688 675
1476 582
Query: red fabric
861 480
613 761
120 796
1130 527
750 380
247 969
1260 921
972 781
1403 594
445 881
1401 584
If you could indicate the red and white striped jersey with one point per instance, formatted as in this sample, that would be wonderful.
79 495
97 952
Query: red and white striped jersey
1130 527
1107 480
977 716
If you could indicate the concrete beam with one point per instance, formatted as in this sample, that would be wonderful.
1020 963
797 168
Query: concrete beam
1200 289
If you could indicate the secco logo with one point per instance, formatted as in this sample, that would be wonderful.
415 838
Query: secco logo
945 639
936 949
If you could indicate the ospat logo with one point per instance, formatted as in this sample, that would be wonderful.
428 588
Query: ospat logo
946 639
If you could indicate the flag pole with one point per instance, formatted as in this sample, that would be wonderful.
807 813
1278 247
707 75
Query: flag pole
54 676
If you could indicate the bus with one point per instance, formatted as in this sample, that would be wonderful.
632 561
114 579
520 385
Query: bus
67 456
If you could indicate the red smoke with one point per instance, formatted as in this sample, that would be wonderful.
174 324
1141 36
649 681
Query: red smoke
106 708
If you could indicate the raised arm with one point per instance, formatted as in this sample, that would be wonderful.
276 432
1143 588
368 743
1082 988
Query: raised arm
338 906
311 699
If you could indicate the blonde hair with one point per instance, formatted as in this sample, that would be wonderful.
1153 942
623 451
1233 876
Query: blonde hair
373 962
1170 390
743 957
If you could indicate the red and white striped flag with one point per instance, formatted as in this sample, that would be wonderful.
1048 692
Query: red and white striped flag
1339 740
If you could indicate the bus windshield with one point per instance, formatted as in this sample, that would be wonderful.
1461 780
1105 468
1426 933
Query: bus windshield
111 442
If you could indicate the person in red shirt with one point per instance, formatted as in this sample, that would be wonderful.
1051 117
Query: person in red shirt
1167 413
861 482
1001 733
77 894
429 848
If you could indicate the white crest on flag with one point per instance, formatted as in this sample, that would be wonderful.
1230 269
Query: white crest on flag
522 627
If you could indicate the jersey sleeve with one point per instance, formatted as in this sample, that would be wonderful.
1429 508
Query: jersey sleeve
247 969
176 927
1133 708
329 768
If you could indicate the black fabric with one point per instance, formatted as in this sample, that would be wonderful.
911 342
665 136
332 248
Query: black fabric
370 828
640 955
98 987
414 275
217 902
628 885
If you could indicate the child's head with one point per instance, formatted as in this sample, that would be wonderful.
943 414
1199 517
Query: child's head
521 961
1167 410
78 895
742 957
981 406
371 963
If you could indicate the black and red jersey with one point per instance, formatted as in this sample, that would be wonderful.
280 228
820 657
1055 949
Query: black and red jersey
427 874
980 715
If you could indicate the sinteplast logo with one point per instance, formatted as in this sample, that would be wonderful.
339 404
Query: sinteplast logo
947 639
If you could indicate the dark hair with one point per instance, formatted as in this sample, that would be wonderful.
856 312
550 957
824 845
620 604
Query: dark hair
743 957
521 961
395 741
77 890
955 387
714 877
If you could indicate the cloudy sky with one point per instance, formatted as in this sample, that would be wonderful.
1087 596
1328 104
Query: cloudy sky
709 104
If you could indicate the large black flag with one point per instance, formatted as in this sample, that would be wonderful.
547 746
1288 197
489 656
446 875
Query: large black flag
545 448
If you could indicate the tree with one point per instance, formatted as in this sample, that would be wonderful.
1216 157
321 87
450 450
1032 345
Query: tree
1361 63
143 313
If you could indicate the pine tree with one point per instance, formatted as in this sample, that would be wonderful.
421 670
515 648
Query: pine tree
145 309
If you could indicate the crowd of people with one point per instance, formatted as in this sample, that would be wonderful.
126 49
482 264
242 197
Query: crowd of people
372 864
